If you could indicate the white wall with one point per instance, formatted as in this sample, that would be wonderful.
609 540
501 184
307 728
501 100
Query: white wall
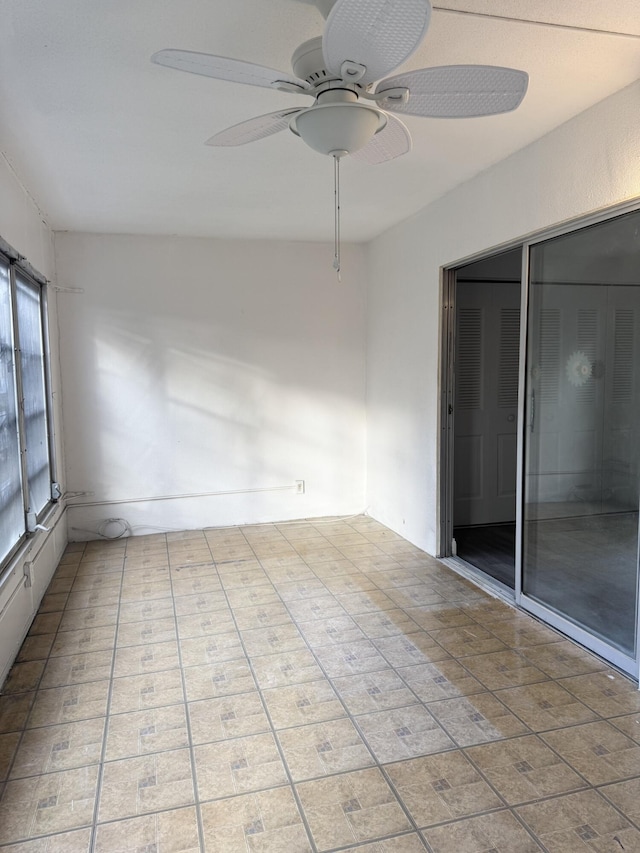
194 365
22 223
588 163
23 226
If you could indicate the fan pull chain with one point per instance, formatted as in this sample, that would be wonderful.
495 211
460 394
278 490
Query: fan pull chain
336 186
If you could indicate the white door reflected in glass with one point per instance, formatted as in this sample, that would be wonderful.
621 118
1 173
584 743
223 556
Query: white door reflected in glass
582 429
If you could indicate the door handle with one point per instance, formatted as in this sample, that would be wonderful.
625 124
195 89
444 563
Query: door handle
533 410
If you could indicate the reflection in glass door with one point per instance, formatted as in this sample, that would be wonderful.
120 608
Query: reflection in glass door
582 431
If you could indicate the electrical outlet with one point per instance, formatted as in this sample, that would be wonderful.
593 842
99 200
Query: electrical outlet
300 487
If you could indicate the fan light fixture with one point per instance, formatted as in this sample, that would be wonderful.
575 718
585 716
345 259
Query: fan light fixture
338 129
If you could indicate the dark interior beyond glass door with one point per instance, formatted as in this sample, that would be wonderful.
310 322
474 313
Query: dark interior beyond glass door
486 371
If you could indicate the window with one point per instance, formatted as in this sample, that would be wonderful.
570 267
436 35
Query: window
25 457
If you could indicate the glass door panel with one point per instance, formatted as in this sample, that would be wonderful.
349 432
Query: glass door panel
582 430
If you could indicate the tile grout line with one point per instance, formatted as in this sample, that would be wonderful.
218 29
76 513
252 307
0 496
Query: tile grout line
105 733
635 822
192 758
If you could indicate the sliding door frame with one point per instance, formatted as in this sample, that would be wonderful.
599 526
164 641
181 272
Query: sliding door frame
447 386
522 381
447 360
615 656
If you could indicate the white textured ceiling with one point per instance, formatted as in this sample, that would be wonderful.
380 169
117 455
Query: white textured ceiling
108 142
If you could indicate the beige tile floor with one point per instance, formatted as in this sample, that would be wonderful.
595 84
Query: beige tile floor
300 687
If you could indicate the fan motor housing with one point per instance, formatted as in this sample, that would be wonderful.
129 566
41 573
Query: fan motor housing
308 62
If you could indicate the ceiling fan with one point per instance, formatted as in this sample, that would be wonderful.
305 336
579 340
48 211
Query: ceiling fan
363 41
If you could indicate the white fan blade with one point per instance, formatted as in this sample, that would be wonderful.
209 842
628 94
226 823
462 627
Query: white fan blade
377 34
392 141
253 129
223 68
456 91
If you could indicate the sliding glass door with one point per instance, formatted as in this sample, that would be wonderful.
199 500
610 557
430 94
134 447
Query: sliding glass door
581 466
